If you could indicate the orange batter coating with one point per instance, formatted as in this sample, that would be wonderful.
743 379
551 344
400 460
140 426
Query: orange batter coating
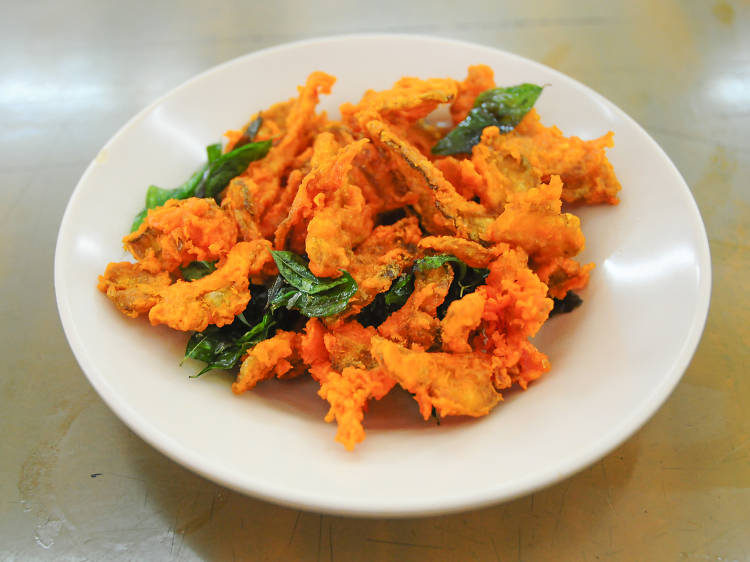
480 78
453 384
386 254
181 232
501 174
441 208
132 289
349 377
515 307
348 393
462 318
216 298
583 166
409 100
416 324
365 195
269 358
471 253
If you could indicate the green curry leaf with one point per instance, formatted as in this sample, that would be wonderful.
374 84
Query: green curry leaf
500 107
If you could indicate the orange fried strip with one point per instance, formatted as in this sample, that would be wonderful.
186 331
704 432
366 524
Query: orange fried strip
501 174
471 253
462 318
515 307
454 213
300 125
348 393
409 100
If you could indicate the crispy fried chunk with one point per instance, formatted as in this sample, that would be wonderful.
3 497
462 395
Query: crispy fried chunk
132 289
471 253
180 232
462 318
409 100
515 307
381 258
453 384
348 393
586 172
454 213
533 221
416 323
269 358
214 299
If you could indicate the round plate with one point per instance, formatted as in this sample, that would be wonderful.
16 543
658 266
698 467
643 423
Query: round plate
614 360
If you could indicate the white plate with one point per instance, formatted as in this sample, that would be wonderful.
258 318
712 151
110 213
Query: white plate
614 361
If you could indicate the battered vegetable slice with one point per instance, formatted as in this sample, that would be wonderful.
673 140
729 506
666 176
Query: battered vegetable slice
276 356
381 259
180 232
452 384
441 208
216 298
416 323
515 307
264 182
409 100
534 221
132 289
587 174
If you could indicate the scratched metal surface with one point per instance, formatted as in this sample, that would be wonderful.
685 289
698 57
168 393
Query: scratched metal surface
76 484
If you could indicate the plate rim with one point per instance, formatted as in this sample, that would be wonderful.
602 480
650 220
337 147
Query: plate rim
339 505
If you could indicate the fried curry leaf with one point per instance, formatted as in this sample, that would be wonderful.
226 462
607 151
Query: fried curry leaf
197 269
385 304
569 303
230 165
223 347
209 180
213 151
502 107
311 295
252 129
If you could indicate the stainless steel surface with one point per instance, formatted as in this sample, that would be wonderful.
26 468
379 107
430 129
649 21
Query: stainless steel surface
76 484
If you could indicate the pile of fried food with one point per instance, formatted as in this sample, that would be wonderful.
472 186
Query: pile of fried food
354 251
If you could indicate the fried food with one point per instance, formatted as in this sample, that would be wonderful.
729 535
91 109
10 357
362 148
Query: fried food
181 232
132 289
416 324
453 384
269 358
396 266
215 299
582 165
